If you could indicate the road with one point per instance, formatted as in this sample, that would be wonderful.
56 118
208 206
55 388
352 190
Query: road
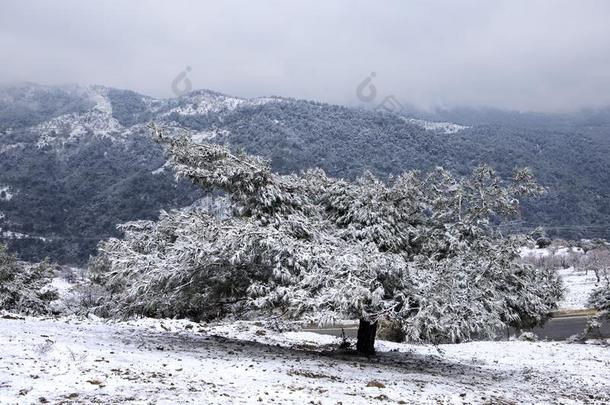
556 329
564 327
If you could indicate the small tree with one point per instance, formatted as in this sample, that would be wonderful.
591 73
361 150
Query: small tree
598 260
420 250
23 286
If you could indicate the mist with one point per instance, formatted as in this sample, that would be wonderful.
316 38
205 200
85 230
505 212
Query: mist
529 55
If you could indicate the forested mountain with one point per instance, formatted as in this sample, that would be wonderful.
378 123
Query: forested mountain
76 161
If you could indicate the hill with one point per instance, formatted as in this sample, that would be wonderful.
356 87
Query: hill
76 161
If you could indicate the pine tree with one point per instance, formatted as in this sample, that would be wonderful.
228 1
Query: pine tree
420 250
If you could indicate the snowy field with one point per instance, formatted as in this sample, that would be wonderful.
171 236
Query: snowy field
171 362
578 283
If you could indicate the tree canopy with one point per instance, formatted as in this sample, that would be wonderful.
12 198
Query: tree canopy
419 249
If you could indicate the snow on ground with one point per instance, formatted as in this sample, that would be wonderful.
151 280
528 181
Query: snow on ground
526 251
578 284
18 235
205 136
545 252
62 286
74 360
71 127
202 102
441 127
5 193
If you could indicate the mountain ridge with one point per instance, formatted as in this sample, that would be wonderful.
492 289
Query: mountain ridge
79 159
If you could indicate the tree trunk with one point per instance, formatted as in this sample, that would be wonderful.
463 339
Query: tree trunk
366 337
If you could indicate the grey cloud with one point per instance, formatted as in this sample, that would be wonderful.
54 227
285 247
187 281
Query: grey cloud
522 54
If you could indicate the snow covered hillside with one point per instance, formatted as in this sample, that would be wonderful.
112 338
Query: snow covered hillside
169 362
68 153
446 128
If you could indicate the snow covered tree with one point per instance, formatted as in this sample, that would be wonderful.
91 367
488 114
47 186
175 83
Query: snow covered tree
420 250
598 260
600 300
24 287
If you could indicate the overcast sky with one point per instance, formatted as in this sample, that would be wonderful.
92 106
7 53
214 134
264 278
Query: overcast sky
525 55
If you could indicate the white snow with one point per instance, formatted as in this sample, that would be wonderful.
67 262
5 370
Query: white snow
159 170
102 103
9 147
204 136
98 121
204 102
12 235
95 122
169 361
5 193
447 128
61 285
545 252
578 284
534 252
18 235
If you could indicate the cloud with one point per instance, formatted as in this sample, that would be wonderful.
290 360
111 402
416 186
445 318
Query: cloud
521 54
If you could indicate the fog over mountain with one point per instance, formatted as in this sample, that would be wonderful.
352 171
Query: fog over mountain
521 55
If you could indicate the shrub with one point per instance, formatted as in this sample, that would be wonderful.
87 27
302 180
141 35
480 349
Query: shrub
24 287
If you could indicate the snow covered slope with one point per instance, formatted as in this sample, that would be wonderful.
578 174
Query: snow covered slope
441 127
169 362
202 102
70 153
